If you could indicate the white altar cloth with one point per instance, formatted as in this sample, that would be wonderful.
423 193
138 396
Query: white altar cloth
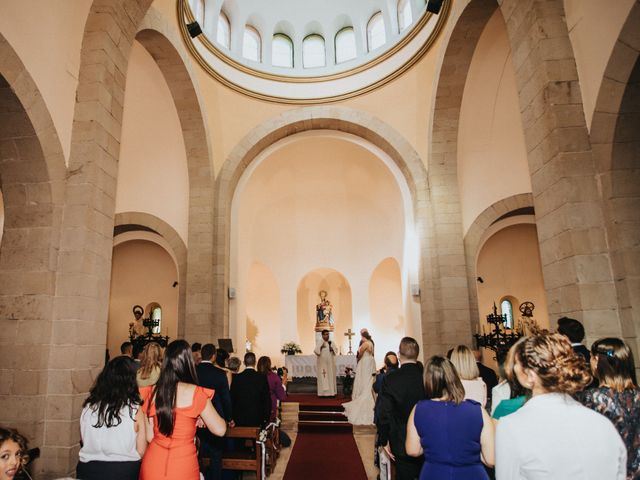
305 365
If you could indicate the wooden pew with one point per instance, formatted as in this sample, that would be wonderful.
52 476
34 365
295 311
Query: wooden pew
245 460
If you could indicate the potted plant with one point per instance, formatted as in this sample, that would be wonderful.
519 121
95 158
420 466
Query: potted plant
290 348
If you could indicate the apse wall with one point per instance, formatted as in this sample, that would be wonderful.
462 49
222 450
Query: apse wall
492 157
152 172
509 265
315 202
142 272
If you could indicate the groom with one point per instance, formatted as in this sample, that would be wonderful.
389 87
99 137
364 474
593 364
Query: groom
326 366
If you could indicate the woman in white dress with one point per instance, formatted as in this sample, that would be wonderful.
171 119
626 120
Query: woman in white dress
359 410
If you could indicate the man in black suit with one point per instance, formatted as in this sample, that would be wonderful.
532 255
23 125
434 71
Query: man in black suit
488 376
574 331
210 376
400 391
250 397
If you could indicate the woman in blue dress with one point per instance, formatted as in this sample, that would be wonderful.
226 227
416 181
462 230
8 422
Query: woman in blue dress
456 436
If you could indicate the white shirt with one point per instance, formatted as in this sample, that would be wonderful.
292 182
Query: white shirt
553 437
114 444
476 390
500 392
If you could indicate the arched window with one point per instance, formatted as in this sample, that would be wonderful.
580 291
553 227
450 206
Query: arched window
404 15
506 308
282 51
252 44
313 52
376 36
224 31
345 45
197 7
155 313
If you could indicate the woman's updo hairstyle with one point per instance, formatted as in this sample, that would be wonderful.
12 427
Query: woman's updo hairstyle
551 357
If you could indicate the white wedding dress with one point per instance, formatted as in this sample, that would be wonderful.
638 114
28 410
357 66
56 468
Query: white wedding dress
359 410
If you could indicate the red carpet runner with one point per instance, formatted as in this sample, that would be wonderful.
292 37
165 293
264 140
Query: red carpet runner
325 447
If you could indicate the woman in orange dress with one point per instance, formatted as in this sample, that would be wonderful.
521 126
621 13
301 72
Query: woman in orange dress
172 408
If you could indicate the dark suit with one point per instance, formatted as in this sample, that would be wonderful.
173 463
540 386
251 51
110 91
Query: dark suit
210 376
400 391
489 378
250 399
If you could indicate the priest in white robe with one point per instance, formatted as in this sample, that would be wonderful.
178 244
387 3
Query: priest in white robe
326 366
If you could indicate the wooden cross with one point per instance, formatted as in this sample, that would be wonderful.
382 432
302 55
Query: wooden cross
349 334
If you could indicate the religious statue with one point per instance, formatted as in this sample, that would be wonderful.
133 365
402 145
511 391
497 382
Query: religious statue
137 328
326 366
324 314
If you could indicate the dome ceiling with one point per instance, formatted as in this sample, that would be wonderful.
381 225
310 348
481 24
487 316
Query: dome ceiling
313 51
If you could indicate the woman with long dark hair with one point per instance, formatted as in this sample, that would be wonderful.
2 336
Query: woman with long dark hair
618 395
276 388
173 407
112 425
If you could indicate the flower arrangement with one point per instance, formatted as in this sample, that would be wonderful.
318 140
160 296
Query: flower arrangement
291 348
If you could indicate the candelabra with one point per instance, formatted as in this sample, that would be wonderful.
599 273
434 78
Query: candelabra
499 339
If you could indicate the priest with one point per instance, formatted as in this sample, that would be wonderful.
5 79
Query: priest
326 366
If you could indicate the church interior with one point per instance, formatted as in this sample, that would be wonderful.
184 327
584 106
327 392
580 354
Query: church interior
221 162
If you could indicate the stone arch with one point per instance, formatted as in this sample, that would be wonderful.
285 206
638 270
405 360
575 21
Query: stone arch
559 154
515 205
167 49
179 250
299 120
616 152
32 176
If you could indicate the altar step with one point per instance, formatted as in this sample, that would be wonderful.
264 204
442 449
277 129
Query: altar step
329 416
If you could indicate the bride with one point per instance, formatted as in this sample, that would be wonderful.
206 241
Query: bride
359 410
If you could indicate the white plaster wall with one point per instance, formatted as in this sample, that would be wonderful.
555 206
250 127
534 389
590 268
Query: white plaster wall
492 157
318 202
47 36
152 172
594 27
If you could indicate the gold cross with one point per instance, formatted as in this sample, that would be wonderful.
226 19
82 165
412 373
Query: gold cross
349 334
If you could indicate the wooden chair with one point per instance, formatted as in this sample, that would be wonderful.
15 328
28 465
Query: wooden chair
245 460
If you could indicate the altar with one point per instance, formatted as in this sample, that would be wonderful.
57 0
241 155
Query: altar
305 365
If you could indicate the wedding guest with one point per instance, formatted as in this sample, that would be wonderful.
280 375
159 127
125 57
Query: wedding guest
112 425
172 407
552 435
276 389
250 396
517 393
618 396
401 390
455 435
501 391
467 369
196 352
488 375
209 376
233 365
127 349
13 453
222 356
574 331
150 364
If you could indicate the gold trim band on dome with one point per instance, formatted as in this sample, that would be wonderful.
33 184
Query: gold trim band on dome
184 10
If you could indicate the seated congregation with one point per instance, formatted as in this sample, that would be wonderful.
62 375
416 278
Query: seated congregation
559 411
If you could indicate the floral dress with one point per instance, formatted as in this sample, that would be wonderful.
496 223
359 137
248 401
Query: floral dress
623 409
